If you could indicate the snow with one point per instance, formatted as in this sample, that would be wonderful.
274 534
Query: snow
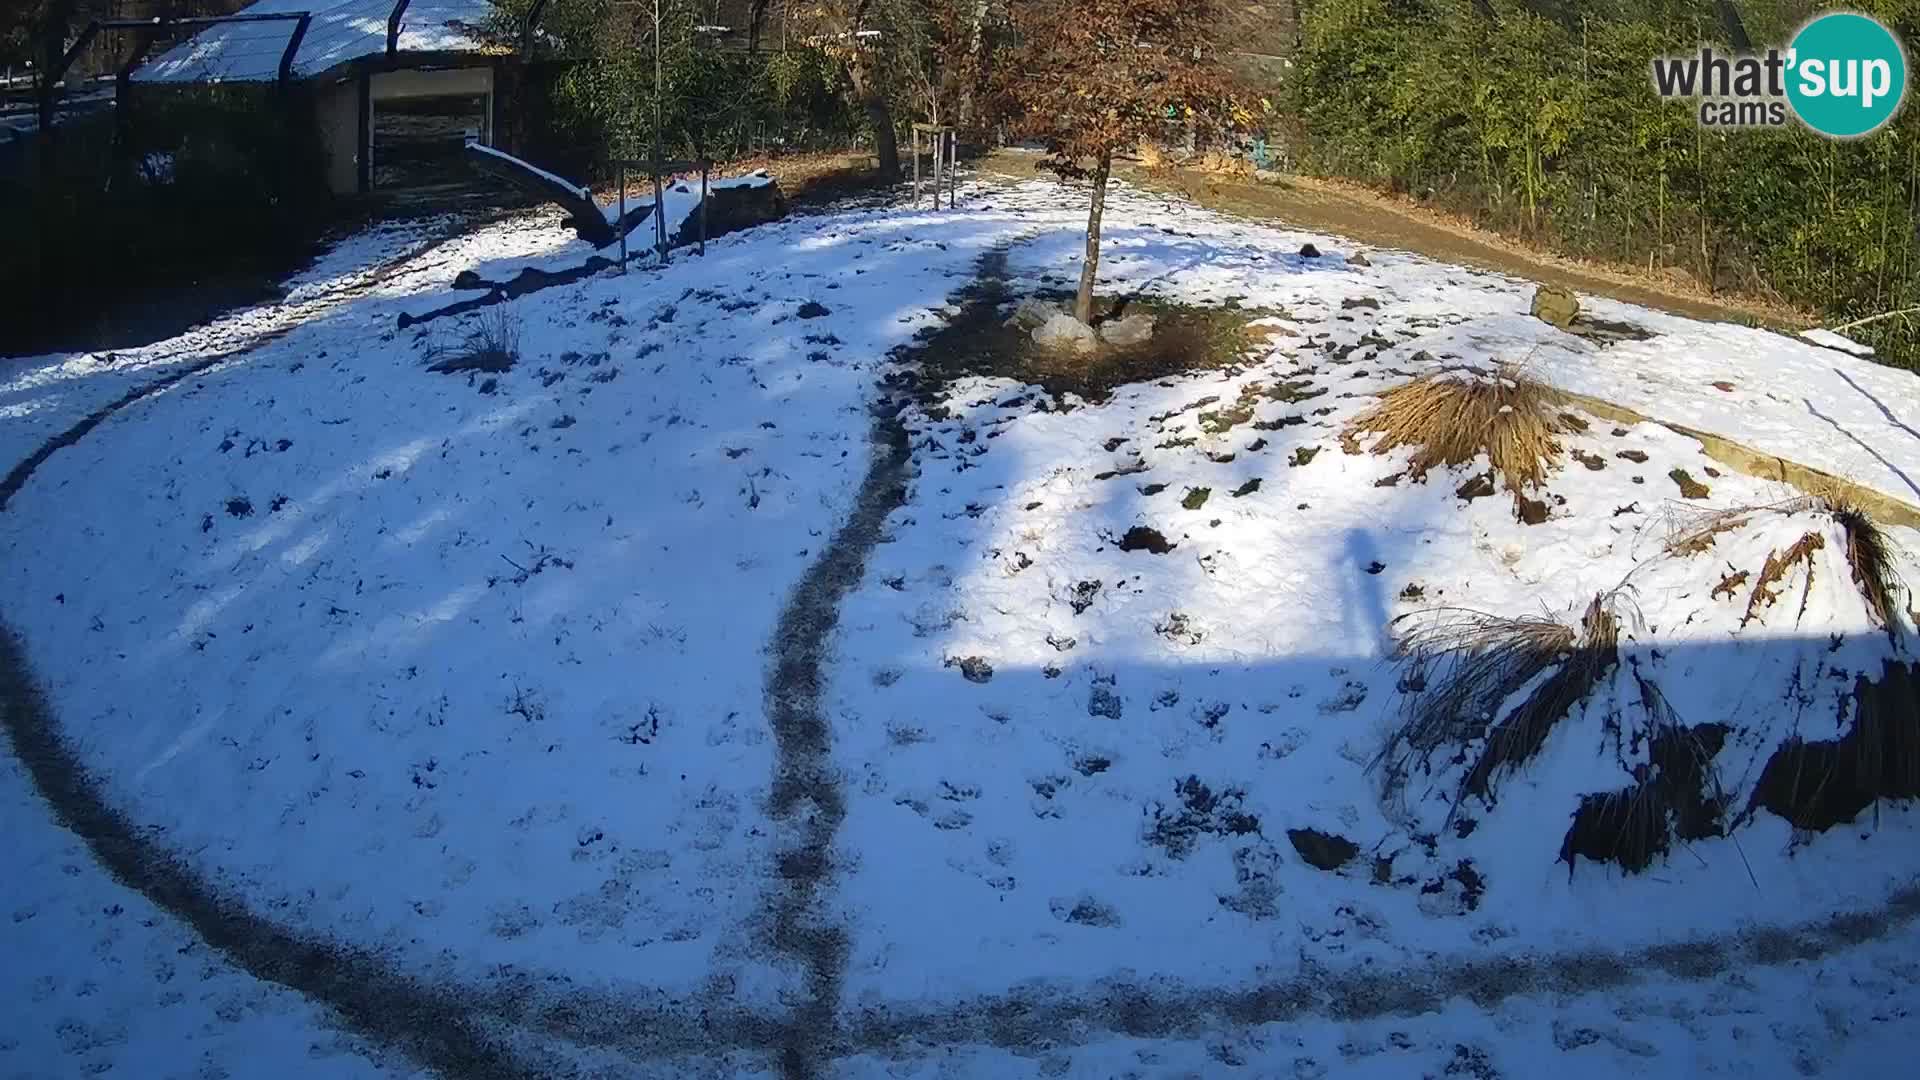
468 670
338 33
1831 340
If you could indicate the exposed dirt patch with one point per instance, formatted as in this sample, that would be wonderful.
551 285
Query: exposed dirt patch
1142 538
978 341
1323 851
1198 811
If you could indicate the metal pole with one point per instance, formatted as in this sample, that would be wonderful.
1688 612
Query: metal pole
703 205
659 203
623 217
659 215
916 168
953 167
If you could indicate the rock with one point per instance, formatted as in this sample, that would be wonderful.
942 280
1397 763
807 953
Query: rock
1358 259
731 209
1323 851
1267 176
1032 314
1308 251
1555 306
976 669
1063 331
1132 330
467 279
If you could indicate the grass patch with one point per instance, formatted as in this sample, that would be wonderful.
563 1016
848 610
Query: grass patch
492 346
1452 417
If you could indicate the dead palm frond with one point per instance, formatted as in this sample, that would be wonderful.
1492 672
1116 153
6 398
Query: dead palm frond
1872 556
1452 417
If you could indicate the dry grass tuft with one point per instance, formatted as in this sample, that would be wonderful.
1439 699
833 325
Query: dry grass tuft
1151 156
1693 533
1870 554
1452 417
1219 164
1464 666
492 346
1583 663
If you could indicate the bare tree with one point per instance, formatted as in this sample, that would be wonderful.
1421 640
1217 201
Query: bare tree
1091 77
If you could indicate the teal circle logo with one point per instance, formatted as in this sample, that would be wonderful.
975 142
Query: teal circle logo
1846 75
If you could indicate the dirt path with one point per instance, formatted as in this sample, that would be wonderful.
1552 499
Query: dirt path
1380 222
806 789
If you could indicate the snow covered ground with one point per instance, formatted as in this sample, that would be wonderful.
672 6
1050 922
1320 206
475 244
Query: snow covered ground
470 671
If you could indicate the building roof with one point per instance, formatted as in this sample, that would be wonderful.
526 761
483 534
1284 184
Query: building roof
340 31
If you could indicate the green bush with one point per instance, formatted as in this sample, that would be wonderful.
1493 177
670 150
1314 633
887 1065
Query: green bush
1543 121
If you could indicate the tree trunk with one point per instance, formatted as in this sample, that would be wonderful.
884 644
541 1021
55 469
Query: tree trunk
1735 27
886 145
976 63
1083 305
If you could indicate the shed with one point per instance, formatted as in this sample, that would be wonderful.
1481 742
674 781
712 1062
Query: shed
398 86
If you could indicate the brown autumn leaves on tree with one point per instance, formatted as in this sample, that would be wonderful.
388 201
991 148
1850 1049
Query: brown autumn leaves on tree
1091 78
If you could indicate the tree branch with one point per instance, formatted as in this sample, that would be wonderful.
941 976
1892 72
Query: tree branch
1899 313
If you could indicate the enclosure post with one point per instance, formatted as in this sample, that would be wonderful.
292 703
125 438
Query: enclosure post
703 205
916 168
622 226
659 214
363 138
293 46
953 166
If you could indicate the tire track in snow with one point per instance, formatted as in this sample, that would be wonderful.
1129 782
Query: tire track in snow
806 790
